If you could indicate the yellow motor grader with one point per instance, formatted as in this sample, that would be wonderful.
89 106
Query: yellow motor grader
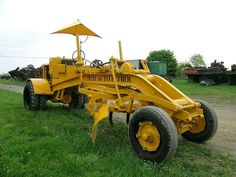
160 111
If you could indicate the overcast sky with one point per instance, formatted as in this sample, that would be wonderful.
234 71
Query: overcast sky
186 27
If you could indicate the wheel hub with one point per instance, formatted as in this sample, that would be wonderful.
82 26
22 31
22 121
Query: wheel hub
148 136
198 125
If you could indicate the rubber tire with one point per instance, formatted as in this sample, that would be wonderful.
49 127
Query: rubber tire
211 125
43 102
77 101
166 128
31 101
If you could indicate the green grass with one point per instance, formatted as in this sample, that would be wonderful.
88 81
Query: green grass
12 82
56 143
191 88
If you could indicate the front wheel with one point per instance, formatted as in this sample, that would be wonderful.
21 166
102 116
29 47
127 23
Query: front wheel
208 126
152 134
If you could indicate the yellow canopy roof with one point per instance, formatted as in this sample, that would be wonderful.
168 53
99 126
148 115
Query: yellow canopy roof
76 28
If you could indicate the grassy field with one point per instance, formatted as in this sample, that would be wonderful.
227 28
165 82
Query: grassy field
195 89
56 143
12 82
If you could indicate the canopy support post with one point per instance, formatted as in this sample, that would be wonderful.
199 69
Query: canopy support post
79 59
120 50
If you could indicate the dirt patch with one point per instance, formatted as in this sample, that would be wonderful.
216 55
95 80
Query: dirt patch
14 88
225 137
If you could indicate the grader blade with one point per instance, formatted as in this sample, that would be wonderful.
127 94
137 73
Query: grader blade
99 115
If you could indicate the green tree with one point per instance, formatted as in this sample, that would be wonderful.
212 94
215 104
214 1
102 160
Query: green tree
197 60
165 55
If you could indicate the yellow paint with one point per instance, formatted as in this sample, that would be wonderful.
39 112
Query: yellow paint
120 50
125 89
76 28
199 124
79 59
41 86
148 136
99 115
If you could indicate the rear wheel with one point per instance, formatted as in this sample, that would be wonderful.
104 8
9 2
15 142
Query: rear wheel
43 102
204 129
31 101
77 101
153 134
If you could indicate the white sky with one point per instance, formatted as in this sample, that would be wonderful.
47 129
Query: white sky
186 27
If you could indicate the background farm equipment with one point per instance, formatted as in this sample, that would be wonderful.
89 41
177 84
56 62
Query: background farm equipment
26 72
215 74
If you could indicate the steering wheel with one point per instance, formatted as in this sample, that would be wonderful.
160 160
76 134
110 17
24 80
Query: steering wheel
73 55
96 63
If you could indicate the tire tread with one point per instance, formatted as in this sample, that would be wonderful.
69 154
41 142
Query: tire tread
169 125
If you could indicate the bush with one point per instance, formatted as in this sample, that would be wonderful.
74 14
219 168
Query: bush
5 76
165 55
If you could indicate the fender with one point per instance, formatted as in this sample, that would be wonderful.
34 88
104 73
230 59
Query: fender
41 86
